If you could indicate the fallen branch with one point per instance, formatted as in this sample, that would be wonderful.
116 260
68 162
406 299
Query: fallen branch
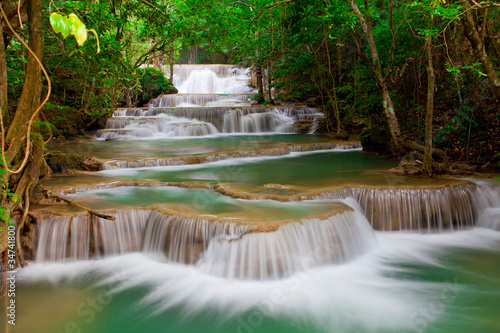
415 146
72 203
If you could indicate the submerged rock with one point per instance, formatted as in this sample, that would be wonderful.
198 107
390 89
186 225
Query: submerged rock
410 165
61 162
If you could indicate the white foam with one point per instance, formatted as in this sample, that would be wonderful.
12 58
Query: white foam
364 293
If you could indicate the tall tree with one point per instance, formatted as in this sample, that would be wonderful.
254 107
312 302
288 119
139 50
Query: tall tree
20 150
378 73
473 35
431 80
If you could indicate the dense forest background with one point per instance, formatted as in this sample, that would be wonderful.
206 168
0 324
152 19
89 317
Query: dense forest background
414 73
314 51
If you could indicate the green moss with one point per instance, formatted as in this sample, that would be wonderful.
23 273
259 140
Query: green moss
60 162
152 84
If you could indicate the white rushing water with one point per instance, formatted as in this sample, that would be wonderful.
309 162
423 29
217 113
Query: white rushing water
364 295
211 79
208 85
185 123
212 100
164 123
223 249
361 269
242 154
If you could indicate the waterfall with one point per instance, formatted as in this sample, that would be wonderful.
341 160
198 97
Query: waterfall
294 247
217 248
214 115
158 123
423 209
199 100
489 201
53 240
212 99
214 157
80 237
182 239
207 85
211 79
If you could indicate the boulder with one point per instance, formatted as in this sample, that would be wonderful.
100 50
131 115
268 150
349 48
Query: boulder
410 165
61 162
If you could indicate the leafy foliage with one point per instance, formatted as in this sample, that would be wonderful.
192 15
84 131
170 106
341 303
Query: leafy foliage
71 25
309 51
152 84
8 194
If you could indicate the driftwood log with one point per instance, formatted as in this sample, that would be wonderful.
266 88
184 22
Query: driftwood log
72 203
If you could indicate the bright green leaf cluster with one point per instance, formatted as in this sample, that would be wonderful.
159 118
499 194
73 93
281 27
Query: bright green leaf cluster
71 25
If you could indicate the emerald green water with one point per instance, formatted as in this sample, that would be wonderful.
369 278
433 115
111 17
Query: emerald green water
182 147
302 169
402 283
295 173
201 202
411 283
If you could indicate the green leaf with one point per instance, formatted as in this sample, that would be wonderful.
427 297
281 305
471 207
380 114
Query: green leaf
74 22
60 24
14 197
81 34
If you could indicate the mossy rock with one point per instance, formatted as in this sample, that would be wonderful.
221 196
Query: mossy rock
153 84
61 162
410 165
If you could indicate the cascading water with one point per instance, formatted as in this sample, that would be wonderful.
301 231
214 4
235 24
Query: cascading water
212 99
425 210
81 237
211 79
489 201
217 248
208 158
290 249
215 262
207 85
162 123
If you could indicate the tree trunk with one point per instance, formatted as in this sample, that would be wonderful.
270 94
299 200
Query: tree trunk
269 81
431 79
32 88
3 80
478 46
171 61
260 84
377 71
21 182
258 74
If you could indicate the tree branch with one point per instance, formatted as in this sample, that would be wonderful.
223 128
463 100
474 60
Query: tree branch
267 8
72 203
152 5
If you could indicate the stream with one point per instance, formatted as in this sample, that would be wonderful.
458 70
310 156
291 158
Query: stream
228 219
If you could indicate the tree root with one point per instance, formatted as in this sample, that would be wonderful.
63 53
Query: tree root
415 146
20 225
72 203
